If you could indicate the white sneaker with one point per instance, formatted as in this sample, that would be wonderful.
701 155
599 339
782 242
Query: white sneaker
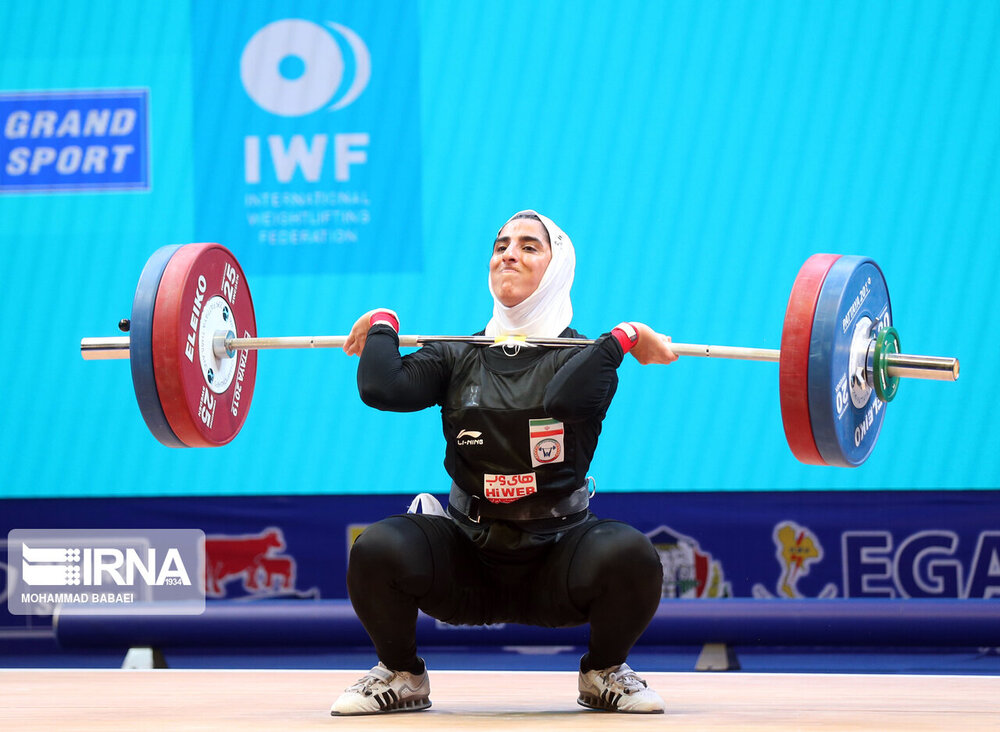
382 690
618 689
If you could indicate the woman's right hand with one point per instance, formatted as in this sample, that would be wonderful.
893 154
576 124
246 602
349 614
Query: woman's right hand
355 342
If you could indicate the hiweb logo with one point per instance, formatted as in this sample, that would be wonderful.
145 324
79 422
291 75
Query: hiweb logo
157 568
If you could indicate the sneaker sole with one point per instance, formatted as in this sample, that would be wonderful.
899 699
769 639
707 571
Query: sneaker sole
410 705
592 702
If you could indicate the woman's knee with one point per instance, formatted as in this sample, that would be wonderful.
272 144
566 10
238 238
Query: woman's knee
394 546
614 553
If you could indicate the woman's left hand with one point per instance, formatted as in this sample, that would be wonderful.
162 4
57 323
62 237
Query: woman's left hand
651 347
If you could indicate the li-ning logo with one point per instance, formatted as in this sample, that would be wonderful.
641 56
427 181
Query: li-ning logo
294 67
469 437
94 567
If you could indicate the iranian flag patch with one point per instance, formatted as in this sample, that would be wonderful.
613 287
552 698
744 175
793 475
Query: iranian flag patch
547 445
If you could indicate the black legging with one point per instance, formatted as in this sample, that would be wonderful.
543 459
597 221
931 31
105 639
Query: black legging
602 572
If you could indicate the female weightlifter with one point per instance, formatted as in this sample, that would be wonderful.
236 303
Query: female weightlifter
517 542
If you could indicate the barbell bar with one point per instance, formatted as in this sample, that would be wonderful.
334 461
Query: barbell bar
900 365
839 356
934 368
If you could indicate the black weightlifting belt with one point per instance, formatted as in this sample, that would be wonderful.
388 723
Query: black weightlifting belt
538 508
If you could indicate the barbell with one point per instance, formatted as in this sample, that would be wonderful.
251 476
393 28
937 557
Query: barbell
193 344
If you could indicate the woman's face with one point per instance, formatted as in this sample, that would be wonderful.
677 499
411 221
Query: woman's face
521 253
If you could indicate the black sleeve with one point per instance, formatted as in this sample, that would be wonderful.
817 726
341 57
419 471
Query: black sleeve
584 386
395 383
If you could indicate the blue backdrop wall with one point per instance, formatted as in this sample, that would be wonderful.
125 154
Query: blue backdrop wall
697 153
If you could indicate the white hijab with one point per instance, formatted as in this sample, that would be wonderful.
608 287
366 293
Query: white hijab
547 311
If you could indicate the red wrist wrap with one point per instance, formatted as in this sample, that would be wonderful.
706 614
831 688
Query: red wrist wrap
384 316
626 335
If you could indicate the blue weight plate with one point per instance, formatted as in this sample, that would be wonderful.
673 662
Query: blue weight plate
846 415
141 347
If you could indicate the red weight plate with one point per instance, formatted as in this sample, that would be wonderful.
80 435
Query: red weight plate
793 368
203 291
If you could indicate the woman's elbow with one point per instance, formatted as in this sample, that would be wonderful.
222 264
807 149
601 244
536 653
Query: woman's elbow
375 395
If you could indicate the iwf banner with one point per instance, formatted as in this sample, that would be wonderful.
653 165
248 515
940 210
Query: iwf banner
307 139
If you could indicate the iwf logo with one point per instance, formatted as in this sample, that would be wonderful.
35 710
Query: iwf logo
295 67
292 68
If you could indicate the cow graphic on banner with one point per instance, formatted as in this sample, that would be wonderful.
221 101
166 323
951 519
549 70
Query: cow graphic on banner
255 560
